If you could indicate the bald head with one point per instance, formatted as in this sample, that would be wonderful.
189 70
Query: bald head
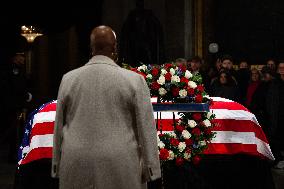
103 41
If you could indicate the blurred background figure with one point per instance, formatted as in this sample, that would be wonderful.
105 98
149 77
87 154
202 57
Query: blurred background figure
254 81
225 86
278 133
243 65
228 64
260 103
243 77
271 63
195 65
15 97
180 61
213 71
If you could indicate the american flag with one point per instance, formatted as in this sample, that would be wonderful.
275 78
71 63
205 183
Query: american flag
237 131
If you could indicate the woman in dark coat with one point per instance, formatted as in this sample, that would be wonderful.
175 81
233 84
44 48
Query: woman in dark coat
225 86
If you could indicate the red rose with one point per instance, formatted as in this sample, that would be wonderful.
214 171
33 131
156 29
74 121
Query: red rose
141 73
175 91
188 142
197 116
174 141
190 91
207 132
168 66
161 135
198 98
196 160
155 71
182 68
155 85
179 128
188 150
200 88
184 80
168 76
196 131
164 154
179 161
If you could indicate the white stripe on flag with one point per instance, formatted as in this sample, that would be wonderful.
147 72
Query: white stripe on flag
234 114
264 148
234 137
220 99
166 115
44 117
220 114
241 138
41 141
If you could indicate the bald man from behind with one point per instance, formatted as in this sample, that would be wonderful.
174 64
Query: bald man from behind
104 134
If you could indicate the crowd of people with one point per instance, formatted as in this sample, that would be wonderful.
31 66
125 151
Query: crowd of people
260 90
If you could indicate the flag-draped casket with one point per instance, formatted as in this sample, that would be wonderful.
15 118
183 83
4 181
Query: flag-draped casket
237 131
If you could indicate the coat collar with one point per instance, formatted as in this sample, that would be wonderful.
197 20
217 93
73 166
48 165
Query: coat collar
100 59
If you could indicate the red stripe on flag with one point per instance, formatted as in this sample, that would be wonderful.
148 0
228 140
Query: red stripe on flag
240 126
223 125
48 108
227 105
42 129
38 153
233 148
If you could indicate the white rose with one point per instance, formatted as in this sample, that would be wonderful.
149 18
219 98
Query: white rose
175 78
162 91
158 139
192 84
207 123
171 155
161 80
187 156
163 71
206 96
182 93
143 67
149 76
172 134
187 74
161 144
202 143
185 134
181 146
179 122
209 114
172 71
191 123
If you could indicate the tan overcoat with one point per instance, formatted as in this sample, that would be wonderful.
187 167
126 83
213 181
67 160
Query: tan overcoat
104 135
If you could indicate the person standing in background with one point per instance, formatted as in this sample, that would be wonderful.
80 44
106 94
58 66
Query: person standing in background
243 77
15 98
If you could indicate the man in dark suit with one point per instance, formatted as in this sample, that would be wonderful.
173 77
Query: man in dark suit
15 96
